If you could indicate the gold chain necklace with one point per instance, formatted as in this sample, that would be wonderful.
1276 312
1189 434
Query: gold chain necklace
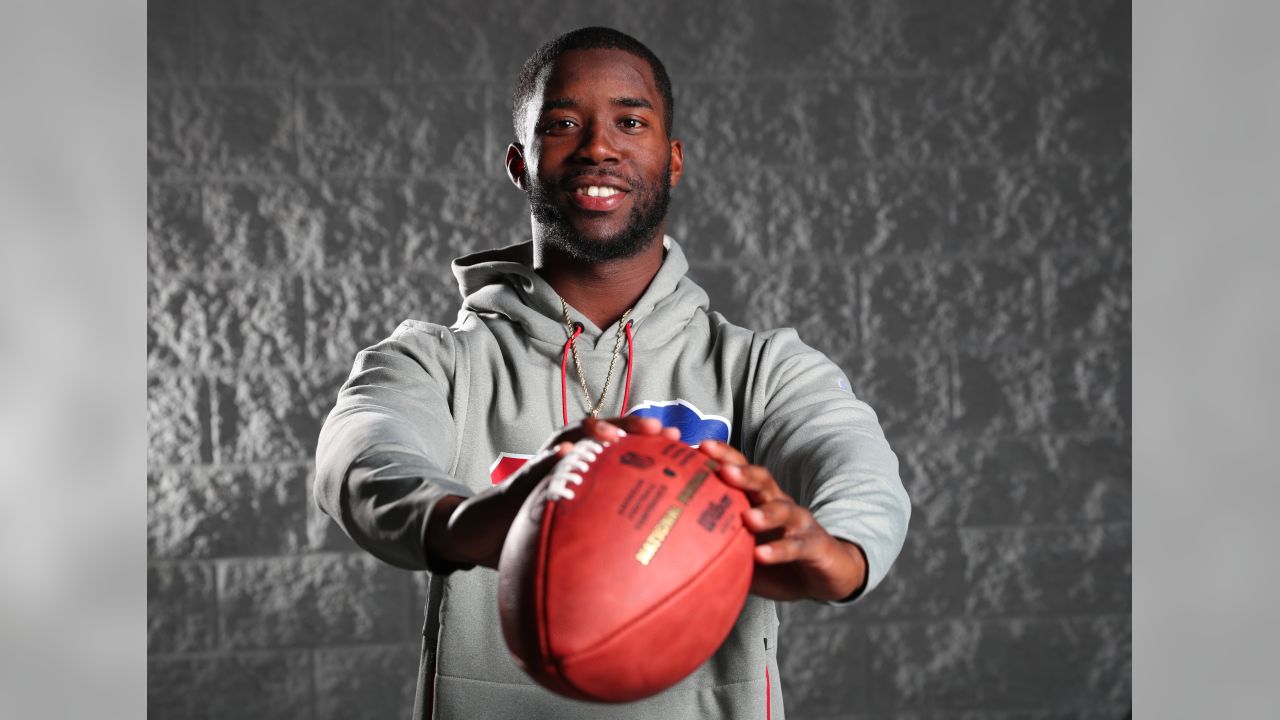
582 377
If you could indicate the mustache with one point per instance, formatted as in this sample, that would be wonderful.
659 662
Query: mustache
572 175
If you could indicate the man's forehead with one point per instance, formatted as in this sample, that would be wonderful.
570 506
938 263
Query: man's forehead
618 71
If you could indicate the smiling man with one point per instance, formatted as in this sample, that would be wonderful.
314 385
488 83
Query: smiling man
440 433
619 181
595 156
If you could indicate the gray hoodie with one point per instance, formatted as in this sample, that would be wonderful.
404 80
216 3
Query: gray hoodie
434 411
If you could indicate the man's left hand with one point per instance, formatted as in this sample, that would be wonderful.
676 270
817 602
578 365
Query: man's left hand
796 559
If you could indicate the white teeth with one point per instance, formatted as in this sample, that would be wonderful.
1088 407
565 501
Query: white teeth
598 191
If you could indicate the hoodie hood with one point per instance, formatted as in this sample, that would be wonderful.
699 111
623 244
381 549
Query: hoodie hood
502 282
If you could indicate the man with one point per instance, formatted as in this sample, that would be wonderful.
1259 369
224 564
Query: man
440 433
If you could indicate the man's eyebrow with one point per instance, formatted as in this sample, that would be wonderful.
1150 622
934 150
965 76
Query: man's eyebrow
559 103
632 102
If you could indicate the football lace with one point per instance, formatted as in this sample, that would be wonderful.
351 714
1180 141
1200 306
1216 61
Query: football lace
566 472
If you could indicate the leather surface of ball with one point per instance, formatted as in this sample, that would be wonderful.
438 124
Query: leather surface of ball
624 570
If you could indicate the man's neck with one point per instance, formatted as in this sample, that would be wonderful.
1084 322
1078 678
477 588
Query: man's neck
601 291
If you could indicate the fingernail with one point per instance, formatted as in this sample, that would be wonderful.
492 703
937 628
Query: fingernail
765 551
757 516
621 432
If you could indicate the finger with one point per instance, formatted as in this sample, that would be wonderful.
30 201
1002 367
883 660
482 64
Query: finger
783 550
766 487
603 430
671 433
775 514
723 452
757 482
636 424
571 434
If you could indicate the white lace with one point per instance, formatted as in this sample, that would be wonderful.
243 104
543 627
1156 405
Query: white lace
566 472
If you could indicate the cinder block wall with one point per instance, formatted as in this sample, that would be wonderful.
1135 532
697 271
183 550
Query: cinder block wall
934 193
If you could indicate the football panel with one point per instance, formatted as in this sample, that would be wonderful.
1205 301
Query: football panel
609 569
521 572
662 647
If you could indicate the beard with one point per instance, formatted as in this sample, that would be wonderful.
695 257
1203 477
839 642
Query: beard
648 209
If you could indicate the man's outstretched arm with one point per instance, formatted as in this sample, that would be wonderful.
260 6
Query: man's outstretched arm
471 530
384 452
821 459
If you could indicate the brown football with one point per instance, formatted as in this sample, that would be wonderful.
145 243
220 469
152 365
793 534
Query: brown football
624 570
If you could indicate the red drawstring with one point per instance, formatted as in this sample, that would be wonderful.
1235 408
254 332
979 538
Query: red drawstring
564 371
626 393
768 690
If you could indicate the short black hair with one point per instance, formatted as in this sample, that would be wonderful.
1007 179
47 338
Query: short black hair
588 38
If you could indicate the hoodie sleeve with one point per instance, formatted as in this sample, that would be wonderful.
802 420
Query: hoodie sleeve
385 448
827 450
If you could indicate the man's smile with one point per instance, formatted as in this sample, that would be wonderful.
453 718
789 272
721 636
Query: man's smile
597 193
596 198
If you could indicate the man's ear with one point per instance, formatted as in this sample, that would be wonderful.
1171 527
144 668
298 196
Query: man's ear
677 161
516 169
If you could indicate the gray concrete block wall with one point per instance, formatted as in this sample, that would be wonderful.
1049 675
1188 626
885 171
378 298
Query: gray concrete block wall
936 194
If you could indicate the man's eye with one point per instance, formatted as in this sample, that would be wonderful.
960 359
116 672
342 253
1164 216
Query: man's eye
552 126
632 123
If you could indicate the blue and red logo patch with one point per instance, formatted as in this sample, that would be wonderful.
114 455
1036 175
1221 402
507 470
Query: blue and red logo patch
695 428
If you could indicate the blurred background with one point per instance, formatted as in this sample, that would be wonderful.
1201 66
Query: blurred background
935 194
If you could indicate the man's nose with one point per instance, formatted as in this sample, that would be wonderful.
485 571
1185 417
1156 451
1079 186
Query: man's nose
597 145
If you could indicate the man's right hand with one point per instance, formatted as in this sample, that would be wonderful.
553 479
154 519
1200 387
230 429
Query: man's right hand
471 530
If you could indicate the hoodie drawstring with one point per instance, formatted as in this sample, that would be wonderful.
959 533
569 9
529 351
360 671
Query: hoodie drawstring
564 370
626 392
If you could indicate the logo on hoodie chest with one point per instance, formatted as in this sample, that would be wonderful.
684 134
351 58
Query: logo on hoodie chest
695 428
506 464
